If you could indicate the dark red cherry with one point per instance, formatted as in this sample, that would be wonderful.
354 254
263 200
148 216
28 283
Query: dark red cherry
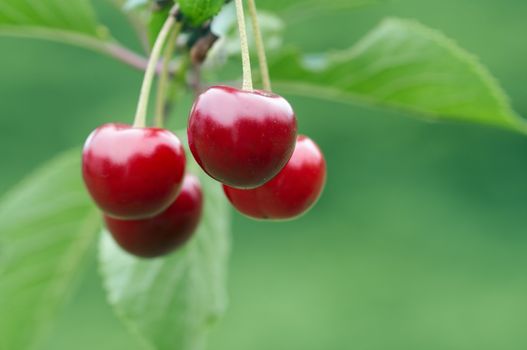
292 192
132 173
241 138
165 232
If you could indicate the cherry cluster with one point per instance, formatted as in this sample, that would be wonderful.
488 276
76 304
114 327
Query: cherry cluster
247 140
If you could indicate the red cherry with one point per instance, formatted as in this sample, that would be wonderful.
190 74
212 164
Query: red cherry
241 138
165 232
133 173
292 192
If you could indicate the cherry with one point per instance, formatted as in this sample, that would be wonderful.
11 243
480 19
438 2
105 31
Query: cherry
241 138
165 232
133 173
292 192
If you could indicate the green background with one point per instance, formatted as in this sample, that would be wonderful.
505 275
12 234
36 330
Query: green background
418 242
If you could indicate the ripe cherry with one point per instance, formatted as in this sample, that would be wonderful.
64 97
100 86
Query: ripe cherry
241 138
133 173
165 232
291 193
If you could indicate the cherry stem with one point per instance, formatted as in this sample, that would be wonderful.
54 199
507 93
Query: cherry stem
260 47
164 77
142 105
244 46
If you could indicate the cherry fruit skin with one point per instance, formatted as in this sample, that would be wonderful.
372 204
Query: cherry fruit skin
291 193
161 234
241 138
133 173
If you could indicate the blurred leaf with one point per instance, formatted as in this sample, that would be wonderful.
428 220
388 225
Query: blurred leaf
155 23
47 225
129 5
294 10
72 22
226 27
171 302
402 64
198 11
49 17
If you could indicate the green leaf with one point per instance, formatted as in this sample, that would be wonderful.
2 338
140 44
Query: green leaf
297 11
405 65
48 18
72 22
47 225
171 302
198 11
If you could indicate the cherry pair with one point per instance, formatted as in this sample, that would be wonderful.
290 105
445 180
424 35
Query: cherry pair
137 178
248 141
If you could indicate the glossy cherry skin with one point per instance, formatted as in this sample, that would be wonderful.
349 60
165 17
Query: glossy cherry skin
165 232
291 193
133 173
241 138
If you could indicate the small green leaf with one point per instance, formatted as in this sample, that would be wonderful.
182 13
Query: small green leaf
34 18
402 64
170 302
47 225
198 11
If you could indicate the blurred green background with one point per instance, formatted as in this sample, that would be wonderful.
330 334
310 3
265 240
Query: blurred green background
418 242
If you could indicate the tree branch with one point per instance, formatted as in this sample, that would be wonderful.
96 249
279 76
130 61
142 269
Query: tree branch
110 48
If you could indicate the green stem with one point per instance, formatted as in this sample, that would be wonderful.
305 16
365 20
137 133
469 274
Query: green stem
260 47
142 105
164 77
244 46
